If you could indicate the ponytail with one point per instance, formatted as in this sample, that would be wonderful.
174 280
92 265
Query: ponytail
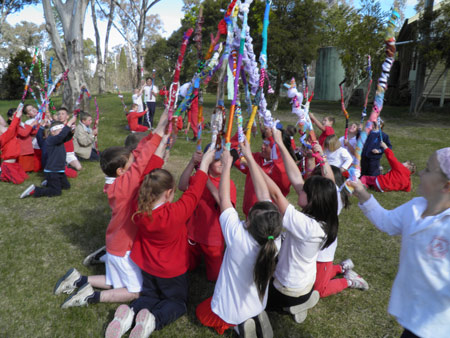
265 226
155 183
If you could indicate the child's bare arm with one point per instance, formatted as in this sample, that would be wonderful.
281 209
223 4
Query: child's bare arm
162 123
183 184
316 121
224 186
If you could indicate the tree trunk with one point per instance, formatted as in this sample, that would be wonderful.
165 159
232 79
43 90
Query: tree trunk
100 68
72 14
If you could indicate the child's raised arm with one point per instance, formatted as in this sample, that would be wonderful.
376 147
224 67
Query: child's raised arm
294 175
324 165
316 121
183 184
224 185
162 123
261 191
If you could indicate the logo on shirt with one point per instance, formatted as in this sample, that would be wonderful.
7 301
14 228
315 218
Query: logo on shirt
438 247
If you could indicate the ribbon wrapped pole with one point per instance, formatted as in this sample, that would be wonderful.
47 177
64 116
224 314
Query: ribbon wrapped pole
343 109
27 81
121 98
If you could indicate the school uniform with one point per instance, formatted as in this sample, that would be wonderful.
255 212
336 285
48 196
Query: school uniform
370 162
83 142
150 93
132 119
11 170
420 297
160 250
235 297
204 233
327 132
25 135
340 158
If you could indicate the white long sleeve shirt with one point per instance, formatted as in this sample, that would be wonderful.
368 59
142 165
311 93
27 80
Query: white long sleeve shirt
420 296
340 158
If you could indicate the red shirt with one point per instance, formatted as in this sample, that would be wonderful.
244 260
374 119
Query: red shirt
133 118
327 132
160 247
69 146
274 169
398 178
24 134
9 144
122 197
203 226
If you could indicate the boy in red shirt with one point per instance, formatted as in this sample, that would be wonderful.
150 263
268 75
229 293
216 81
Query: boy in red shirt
396 179
326 126
204 233
123 279
11 171
133 117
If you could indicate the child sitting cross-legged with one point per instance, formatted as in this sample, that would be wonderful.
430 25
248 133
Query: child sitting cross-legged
123 279
160 251
55 165
84 138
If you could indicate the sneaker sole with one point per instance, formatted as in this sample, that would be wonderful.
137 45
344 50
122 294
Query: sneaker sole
310 303
300 317
266 327
248 329
89 258
139 330
123 319
56 290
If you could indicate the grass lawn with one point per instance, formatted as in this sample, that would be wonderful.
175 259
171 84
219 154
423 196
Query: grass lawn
40 239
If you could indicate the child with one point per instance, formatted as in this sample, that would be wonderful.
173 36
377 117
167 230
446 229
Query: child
326 283
133 117
137 98
123 279
337 155
31 113
11 170
54 170
71 159
160 251
240 294
326 126
420 300
372 151
25 135
84 138
397 179
150 92
350 142
315 228
204 233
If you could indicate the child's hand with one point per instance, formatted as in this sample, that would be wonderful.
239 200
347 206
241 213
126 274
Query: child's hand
19 111
317 148
95 131
383 145
197 157
277 136
72 120
245 148
376 151
207 159
226 159
359 190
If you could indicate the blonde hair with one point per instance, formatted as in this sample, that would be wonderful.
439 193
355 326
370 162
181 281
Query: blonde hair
332 143
155 183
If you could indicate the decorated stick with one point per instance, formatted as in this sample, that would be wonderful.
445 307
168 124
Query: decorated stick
175 83
22 76
343 109
263 66
199 91
27 81
369 70
379 95
97 118
121 98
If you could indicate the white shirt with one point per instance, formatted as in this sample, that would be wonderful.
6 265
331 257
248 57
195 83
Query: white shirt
137 99
352 142
149 94
340 158
327 254
34 141
296 268
420 296
235 296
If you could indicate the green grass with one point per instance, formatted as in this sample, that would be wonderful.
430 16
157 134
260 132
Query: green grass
40 239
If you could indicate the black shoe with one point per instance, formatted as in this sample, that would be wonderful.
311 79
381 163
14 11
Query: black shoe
194 139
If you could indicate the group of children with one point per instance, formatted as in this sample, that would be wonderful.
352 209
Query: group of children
280 258
52 144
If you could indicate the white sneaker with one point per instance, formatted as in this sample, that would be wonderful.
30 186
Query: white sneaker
67 283
262 320
357 282
123 319
145 324
95 257
310 303
347 265
247 329
44 183
80 298
28 191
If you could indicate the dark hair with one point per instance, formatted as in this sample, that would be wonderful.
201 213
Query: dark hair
84 116
331 119
64 108
287 144
149 78
264 221
112 159
154 184
291 130
10 113
339 179
322 205
132 140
